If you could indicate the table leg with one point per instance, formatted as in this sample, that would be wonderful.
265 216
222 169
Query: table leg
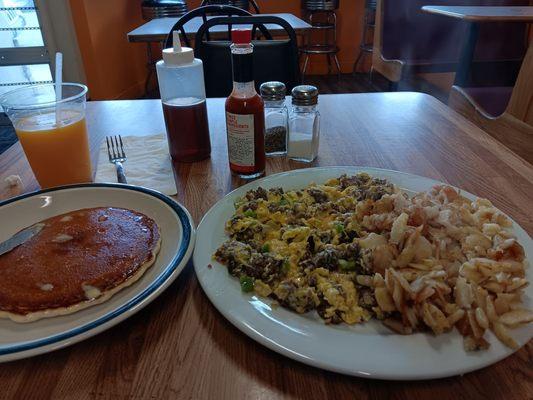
305 67
467 55
150 67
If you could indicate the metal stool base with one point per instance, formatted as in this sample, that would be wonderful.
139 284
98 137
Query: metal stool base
329 49
368 24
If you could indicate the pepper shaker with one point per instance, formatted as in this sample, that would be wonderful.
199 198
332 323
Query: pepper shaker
304 124
276 118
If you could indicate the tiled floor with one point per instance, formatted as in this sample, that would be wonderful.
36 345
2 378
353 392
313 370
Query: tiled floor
361 83
357 83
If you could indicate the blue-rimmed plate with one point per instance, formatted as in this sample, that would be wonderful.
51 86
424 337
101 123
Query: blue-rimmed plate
177 242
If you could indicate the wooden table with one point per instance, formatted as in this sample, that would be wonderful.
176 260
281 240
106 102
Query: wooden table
473 16
157 30
180 347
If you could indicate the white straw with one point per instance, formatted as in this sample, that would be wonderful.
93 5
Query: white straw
59 82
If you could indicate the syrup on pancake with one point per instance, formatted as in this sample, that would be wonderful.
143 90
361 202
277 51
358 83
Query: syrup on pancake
78 259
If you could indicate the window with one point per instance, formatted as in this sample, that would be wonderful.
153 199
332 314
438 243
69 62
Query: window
23 55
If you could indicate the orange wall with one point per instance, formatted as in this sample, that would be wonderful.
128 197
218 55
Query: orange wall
116 69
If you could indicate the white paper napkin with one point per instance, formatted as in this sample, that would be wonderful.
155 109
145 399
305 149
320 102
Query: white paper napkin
148 163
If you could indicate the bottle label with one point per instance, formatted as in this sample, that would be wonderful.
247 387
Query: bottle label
241 144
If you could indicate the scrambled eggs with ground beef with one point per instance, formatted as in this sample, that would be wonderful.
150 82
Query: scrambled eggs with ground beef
302 247
357 247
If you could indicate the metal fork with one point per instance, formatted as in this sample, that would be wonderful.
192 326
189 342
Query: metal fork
115 151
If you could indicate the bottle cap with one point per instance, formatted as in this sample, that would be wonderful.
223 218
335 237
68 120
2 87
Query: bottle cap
273 90
177 55
304 95
241 36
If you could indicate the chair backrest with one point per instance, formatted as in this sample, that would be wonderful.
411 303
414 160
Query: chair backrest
273 59
513 128
521 103
244 4
203 12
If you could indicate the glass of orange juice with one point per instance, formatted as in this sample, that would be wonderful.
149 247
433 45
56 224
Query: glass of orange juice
52 132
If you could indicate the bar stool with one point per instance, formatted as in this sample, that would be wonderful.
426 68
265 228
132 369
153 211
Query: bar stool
244 4
366 45
152 9
327 23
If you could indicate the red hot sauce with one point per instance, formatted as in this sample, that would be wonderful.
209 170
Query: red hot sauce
245 116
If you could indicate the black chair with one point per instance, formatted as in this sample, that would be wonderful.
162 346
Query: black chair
244 4
203 12
274 60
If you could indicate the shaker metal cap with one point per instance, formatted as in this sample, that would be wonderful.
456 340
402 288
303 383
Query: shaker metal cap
273 90
304 95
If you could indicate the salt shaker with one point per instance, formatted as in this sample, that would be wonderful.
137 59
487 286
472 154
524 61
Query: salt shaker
276 118
304 124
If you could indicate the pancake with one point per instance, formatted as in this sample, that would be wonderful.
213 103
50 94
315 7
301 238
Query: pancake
77 260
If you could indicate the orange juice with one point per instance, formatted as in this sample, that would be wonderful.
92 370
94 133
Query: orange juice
58 151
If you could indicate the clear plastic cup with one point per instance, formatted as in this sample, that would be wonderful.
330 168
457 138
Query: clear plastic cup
52 133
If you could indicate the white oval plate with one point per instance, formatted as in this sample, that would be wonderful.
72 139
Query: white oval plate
367 350
177 243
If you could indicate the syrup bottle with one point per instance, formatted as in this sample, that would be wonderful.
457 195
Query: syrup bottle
181 83
245 117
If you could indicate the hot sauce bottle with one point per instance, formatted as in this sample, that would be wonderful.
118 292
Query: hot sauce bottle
245 117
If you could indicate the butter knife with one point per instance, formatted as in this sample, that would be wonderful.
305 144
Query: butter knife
20 237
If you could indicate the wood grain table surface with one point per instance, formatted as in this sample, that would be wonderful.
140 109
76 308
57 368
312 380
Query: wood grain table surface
180 347
484 13
157 30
